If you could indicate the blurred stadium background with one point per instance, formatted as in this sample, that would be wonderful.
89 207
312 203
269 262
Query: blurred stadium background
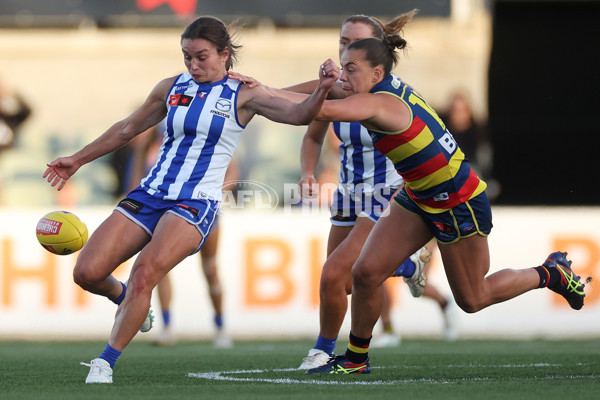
528 67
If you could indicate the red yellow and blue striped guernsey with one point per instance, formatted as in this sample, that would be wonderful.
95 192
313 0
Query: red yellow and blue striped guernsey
438 176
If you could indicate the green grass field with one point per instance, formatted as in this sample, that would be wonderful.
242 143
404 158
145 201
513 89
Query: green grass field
418 369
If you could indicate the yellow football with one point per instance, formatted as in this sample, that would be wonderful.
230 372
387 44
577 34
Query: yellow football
61 232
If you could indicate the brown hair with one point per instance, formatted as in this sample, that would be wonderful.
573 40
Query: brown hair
378 28
381 50
214 30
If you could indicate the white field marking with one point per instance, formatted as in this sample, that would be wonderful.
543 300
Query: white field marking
226 376
480 366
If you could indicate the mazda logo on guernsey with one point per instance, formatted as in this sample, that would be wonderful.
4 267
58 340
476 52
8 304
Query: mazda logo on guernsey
223 105
249 194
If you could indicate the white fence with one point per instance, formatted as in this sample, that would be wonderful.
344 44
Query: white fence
270 265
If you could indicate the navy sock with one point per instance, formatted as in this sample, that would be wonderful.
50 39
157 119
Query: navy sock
407 268
327 345
549 277
358 349
110 355
218 321
119 299
166 316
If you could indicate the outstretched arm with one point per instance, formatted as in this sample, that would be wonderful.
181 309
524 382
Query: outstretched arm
300 89
260 100
328 68
147 115
336 91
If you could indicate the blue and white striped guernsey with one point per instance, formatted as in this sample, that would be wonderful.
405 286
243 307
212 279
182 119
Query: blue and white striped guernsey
201 134
360 161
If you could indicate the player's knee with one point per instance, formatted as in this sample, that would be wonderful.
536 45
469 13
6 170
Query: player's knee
86 276
362 276
81 278
348 287
326 283
209 266
469 305
211 276
209 263
215 290
334 274
143 279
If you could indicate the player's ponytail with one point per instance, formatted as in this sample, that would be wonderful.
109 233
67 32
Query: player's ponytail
378 29
394 42
396 25
392 32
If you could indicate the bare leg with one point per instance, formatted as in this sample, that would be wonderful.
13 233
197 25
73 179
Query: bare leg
209 267
95 264
387 337
432 292
467 262
393 239
165 297
165 292
386 308
336 276
173 240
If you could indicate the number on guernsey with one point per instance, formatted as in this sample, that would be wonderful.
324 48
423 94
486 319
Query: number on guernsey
448 143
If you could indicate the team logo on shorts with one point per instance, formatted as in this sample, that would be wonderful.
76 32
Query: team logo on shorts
340 217
132 206
466 227
444 228
191 211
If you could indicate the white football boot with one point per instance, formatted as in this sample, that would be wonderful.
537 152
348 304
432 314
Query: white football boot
385 340
100 371
315 358
450 320
148 322
165 338
418 280
221 340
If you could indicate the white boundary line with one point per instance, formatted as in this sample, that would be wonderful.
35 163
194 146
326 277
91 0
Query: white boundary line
227 376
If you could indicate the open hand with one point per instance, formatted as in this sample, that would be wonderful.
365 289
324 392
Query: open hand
59 171
251 82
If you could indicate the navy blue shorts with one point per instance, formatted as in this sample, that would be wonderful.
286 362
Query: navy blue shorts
146 210
346 207
467 219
